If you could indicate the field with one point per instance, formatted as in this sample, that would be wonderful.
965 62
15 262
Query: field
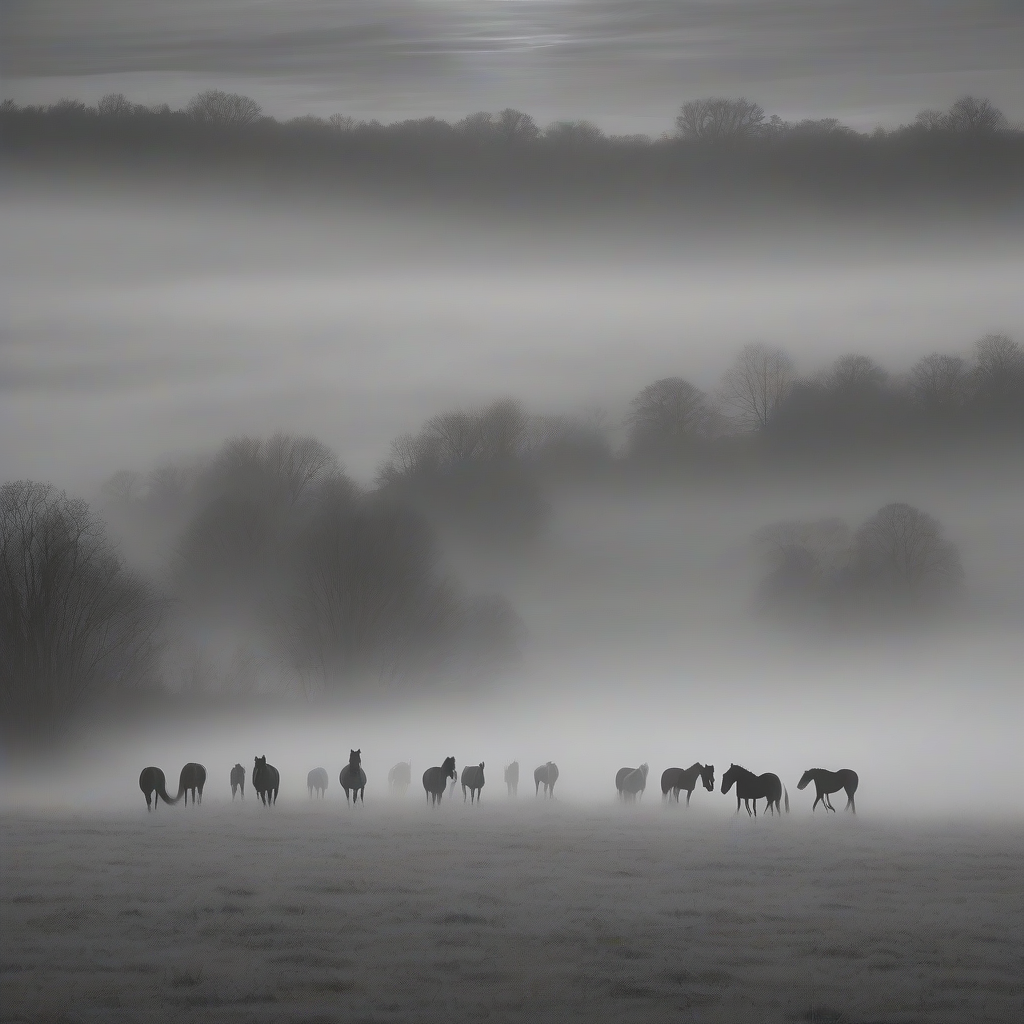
518 911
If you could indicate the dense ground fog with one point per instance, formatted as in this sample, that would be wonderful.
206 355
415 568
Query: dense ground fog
532 910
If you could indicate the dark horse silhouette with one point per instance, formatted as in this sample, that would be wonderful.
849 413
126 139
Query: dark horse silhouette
435 779
191 780
317 779
266 780
675 779
154 788
546 775
753 787
237 780
826 783
353 777
473 780
631 781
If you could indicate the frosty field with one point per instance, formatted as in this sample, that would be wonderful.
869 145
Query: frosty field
513 910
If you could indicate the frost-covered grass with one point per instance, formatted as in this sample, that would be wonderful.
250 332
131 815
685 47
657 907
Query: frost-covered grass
519 911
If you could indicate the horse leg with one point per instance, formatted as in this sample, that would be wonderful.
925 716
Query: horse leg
850 802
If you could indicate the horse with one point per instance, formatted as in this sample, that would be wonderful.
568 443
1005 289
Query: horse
512 778
153 786
753 787
317 779
237 780
631 781
546 775
435 780
266 780
675 779
400 777
353 777
826 782
473 780
192 779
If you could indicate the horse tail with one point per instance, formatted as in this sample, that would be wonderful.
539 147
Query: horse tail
786 791
161 791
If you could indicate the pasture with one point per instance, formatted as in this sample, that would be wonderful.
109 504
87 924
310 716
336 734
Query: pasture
526 910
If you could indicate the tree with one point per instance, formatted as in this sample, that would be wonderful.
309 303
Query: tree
717 119
757 384
515 126
999 378
669 415
371 599
573 133
74 622
941 384
223 108
971 114
900 554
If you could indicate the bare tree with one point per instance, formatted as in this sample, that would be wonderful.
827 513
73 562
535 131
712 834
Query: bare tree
941 383
757 383
900 551
456 435
573 133
516 126
224 108
717 119
971 114
74 622
504 429
668 414
851 374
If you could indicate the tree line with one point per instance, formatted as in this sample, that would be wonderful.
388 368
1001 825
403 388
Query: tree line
721 151
275 569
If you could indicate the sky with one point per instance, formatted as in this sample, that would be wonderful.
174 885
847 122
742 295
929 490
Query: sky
625 64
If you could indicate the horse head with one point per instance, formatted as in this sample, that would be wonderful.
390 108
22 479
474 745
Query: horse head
707 776
355 758
261 762
805 778
449 768
729 778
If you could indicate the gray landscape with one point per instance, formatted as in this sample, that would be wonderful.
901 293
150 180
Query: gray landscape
509 417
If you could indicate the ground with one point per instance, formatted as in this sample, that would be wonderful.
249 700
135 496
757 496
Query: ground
511 911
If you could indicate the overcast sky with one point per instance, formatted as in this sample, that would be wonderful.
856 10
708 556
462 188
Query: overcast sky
626 64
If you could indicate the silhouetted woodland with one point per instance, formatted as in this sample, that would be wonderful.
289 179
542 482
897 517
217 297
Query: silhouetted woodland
724 155
277 571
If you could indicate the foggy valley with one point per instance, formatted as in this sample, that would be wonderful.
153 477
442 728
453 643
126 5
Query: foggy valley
631 426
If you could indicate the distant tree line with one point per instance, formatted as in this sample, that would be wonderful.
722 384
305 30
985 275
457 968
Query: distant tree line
724 153
486 472
278 570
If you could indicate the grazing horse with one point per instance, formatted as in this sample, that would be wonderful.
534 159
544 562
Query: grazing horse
675 779
631 781
317 779
546 775
473 780
192 780
826 783
753 787
237 780
435 780
154 788
353 777
512 778
266 780
400 777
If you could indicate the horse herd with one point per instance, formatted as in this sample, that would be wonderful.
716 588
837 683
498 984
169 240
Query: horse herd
630 783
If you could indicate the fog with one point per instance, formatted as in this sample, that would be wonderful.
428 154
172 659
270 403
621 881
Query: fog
137 330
